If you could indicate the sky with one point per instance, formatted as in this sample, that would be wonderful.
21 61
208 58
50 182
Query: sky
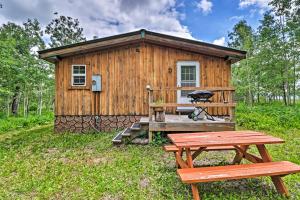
205 20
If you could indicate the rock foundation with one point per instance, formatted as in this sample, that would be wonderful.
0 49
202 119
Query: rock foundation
86 124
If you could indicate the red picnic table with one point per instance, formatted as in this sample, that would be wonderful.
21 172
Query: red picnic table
195 143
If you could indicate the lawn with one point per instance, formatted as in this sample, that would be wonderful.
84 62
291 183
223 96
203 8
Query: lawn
37 164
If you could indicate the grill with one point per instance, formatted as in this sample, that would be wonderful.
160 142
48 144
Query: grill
200 96
200 112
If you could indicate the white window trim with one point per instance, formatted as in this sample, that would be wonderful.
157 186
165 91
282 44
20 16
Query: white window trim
179 64
194 63
78 75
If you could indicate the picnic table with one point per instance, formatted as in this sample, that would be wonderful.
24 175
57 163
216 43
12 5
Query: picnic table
195 143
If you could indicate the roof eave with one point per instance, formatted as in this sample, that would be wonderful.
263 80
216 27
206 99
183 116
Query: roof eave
138 36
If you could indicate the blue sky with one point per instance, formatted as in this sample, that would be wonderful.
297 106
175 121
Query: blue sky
221 19
206 20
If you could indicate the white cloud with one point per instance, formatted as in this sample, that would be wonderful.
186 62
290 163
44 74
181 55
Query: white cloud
259 3
220 41
102 18
205 6
260 6
236 18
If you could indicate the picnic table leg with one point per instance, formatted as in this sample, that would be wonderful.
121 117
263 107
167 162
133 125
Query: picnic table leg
195 192
179 161
239 155
180 153
198 152
278 182
189 159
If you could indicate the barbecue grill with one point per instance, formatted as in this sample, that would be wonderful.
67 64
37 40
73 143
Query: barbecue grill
200 96
199 112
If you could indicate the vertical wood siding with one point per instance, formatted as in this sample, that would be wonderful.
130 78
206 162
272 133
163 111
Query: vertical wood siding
125 73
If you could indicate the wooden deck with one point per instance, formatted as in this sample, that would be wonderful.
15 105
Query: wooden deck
183 123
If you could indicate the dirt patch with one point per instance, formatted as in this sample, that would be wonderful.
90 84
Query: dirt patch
112 197
67 160
52 151
99 160
144 182
89 150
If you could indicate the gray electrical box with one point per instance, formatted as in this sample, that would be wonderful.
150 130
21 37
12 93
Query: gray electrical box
96 83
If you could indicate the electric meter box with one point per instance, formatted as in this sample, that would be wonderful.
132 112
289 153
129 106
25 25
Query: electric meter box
96 83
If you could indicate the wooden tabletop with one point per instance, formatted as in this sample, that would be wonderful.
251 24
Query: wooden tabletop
224 138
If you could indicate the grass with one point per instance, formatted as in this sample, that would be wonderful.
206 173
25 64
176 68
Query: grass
37 164
14 123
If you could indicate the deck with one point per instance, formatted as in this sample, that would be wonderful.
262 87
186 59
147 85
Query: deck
183 123
159 105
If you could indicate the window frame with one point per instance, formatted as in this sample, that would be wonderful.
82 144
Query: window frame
180 98
85 78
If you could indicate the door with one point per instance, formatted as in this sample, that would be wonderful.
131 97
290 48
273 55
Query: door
188 75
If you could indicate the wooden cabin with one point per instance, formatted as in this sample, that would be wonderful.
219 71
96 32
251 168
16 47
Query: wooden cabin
113 82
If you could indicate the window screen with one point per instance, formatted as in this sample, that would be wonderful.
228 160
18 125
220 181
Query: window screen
78 75
188 78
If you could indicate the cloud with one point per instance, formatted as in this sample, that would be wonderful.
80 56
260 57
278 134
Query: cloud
220 41
102 18
205 6
258 3
260 6
236 18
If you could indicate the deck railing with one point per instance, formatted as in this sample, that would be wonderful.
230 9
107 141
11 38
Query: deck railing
223 98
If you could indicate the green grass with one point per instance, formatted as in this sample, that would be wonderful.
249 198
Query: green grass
14 123
37 164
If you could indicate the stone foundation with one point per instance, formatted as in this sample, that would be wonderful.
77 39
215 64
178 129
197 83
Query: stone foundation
86 124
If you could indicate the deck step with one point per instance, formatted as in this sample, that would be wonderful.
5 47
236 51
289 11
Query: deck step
118 138
234 172
135 126
126 132
144 121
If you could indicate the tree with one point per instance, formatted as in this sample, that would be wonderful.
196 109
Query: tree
242 37
271 69
13 32
283 9
24 77
35 33
64 30
23 73
8 65
270 56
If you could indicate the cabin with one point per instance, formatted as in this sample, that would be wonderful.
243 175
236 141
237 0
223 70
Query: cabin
140 80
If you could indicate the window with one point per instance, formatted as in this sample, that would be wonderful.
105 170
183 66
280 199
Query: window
188 78
78 75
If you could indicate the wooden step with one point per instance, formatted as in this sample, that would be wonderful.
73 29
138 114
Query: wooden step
118 138
135 127
173 148
126 132
144 121
231 172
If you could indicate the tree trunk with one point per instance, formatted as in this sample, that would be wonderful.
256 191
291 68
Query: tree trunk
284 94
8 107
53 104
25 105
40 105
295 79
258 95
15 102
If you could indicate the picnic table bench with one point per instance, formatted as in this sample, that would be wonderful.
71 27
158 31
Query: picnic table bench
195 143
